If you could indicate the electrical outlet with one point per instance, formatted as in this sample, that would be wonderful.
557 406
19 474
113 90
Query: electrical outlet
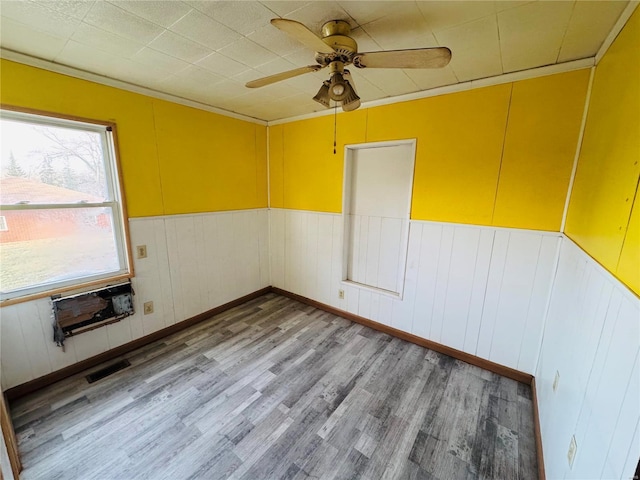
148 308
341 294
141 251
556 381
573 448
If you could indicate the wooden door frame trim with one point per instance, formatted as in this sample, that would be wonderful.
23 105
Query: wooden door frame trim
10 440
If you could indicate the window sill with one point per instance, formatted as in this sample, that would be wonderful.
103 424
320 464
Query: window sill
369 288
77 288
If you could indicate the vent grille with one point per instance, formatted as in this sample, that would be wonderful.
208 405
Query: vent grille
106 371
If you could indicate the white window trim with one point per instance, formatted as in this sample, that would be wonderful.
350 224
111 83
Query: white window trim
346 201
115 202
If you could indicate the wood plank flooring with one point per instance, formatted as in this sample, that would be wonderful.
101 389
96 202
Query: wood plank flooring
275 389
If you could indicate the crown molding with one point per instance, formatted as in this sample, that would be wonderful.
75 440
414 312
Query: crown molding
111 82
617 28
460 87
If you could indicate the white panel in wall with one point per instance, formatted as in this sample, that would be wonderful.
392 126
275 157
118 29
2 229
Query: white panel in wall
454 282
325 244
277 246
592 338
337 249
515 294
497 263
377 194
430 236
311 257
460 279
442 283
381 181
152 280
480 278
402 312
16 366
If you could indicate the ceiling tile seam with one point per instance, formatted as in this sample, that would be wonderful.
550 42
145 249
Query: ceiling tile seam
274 13
564 35
499 44
69 17
131 14
71 37
46 6
482 17
112 82
126 12
455 75
182 17
168 29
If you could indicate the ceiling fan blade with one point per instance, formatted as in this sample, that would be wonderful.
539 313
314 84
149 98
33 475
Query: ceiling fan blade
261 82
436 57
302 34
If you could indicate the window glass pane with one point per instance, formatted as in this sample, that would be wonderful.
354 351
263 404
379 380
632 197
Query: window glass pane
54 245
43 164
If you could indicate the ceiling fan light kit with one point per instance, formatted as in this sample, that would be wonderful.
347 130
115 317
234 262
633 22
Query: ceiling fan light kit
322 97
336 49
337 87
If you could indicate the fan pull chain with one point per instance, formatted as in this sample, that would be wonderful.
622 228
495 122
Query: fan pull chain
335 122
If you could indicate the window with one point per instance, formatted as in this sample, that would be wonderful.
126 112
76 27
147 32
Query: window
60 203
378 185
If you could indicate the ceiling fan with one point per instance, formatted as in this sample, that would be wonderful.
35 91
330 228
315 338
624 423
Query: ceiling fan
336 50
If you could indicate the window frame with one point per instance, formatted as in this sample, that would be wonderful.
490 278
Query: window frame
116 203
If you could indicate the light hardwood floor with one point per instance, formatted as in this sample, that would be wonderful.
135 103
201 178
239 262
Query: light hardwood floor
275 389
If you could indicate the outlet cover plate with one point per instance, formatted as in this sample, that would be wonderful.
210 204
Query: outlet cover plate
341 294
141 251
148 308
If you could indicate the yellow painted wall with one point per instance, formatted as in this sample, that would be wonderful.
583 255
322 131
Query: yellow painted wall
306 175
458 150
209 162
600 216
174 159
499 155
539 150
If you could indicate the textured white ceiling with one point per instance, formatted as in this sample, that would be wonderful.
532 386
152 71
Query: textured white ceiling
206 50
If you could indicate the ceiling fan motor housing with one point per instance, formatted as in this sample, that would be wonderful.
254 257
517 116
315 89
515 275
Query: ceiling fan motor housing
336 34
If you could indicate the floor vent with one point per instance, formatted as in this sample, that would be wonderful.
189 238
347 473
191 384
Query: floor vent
106 371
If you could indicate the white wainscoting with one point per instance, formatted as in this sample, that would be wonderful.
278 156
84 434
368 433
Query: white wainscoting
194 263
592 338
375 251
481 290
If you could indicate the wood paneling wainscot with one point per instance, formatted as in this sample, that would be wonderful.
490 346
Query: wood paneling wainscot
481 290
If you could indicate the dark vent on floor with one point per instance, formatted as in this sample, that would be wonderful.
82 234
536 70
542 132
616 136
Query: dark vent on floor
106 371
